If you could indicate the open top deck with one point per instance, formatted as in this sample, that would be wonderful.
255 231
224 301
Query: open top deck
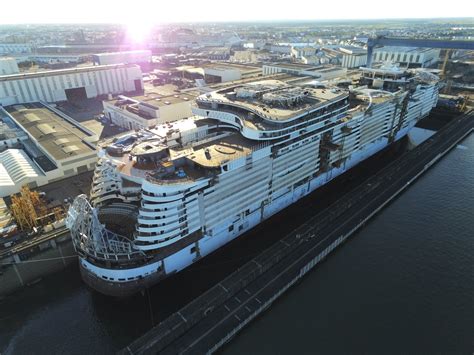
274 100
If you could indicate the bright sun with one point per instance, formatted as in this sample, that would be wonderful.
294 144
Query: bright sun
139 32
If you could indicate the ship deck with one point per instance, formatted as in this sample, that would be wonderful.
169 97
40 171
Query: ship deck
217 152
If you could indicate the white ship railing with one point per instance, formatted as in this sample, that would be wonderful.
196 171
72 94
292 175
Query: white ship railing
90 237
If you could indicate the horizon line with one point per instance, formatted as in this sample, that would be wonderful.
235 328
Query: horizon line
243 21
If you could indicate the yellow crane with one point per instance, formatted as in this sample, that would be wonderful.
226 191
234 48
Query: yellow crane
27 208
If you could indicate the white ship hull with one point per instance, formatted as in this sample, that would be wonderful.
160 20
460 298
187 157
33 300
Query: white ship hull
163 199
180 260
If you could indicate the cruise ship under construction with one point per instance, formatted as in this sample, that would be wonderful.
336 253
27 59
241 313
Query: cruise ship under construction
163 198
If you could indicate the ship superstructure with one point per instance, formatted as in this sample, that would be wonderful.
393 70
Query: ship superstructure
165 197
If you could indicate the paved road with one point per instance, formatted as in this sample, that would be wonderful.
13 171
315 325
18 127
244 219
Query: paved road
33 241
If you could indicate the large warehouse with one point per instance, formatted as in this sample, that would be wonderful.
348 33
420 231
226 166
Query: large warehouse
407 56
126 57
8 66
69 84
57 147
321 72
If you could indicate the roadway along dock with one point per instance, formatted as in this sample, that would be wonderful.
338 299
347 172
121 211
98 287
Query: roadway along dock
216 316
32 242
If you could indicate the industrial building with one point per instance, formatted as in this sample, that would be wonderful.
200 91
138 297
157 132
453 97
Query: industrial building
16 170
56 147
300 52
248 56
218 74
125 57
11 136
16 48
148 110
69 84
407 56
320 72
51 59
7 225
353 57
211 53
277 48
222 73
8 66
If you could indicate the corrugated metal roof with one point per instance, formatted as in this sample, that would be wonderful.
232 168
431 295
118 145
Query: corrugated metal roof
15 166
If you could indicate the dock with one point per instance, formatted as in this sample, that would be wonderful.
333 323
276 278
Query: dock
212 319
33 258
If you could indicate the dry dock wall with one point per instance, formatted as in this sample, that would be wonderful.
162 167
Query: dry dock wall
48 257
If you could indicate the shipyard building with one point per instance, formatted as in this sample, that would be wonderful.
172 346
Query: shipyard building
407 56
16 48
222 73
126 57
69 84
8 66
49 146
318 72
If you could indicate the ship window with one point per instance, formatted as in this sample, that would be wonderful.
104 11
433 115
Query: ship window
105 277
241 227
231 228
193 250
130 278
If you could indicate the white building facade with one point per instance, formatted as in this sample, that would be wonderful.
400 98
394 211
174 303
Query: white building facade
407 56
136 114
8 66
126 57
221 74
15 48
58 58
320 72
54 85
352 58
16 170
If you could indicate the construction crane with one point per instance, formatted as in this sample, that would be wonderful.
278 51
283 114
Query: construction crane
28 208
445 62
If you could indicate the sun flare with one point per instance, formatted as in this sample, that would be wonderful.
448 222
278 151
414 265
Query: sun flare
139 32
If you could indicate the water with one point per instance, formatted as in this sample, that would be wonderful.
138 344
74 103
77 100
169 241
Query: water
405 283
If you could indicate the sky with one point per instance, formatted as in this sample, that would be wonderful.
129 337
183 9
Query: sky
159 11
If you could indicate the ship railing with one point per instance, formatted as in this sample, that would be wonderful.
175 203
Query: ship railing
169 181
91 238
